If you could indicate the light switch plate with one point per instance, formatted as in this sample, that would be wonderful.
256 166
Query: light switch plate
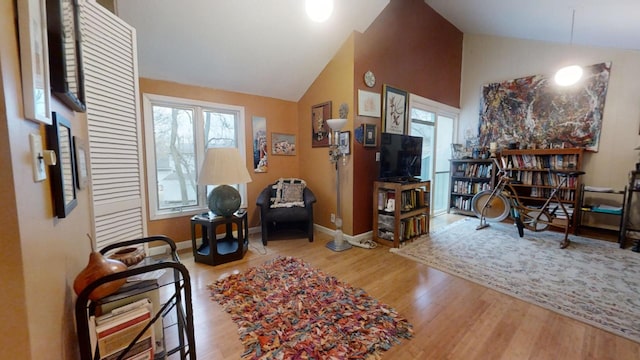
37 160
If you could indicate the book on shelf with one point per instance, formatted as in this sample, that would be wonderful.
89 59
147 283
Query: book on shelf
117 329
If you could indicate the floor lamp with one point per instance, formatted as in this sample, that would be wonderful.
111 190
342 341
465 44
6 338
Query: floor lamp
338 243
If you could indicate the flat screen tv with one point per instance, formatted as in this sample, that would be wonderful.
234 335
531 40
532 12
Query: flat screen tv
400 157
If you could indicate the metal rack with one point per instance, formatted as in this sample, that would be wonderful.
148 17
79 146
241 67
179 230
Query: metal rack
177 307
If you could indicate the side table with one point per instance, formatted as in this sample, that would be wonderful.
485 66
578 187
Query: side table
214 250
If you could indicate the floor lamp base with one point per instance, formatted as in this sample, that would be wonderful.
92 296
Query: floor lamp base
338 243
338 246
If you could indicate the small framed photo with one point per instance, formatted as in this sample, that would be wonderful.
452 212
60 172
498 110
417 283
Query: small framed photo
368 103
82 174
344 143
394 113
283 144
319 129
370 135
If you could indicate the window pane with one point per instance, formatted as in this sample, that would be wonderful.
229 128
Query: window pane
220 128
175 157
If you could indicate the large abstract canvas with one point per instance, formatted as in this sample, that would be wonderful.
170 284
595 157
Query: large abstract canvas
534 111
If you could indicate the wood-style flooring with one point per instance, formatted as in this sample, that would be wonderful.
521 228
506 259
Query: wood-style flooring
452 318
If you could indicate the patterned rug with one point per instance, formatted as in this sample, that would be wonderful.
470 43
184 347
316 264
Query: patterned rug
285 309
593 281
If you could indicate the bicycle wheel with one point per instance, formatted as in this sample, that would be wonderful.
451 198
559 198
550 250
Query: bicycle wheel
497 208
528 218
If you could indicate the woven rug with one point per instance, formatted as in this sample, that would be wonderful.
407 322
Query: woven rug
285 309
593 281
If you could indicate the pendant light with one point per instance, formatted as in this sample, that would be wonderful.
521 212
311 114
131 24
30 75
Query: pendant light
569 75
319 10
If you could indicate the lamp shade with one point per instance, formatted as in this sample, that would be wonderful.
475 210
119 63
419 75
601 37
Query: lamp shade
221 167
336 124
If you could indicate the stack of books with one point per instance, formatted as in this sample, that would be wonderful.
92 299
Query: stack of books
116 330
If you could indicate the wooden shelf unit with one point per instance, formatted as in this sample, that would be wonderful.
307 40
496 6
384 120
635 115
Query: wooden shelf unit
410 216
530 169
469 177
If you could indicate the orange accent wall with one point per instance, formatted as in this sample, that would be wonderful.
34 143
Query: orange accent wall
282 117
335 84
411 47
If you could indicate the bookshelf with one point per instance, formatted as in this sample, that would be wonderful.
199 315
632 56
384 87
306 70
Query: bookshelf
605 203
170 309
469 177
532 181
401 211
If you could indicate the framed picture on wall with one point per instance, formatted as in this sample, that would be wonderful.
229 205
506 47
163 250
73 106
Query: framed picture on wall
368 103
344 142
283 144
370 135
394 112
319 129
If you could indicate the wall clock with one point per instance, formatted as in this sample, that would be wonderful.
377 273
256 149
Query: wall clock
369 78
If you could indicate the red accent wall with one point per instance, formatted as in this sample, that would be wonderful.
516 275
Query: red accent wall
411 47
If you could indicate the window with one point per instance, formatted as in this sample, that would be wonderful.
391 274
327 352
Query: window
177 133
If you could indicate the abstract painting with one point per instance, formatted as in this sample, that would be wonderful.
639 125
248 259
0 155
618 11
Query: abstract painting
534 111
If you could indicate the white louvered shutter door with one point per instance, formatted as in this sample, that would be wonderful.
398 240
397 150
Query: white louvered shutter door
115 140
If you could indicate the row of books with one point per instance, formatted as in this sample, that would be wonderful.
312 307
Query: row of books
462 203
473 170
114 332
565 194
469 187
409 199
414 226
526 161
542 178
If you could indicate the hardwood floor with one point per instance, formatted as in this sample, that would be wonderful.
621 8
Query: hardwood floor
452 318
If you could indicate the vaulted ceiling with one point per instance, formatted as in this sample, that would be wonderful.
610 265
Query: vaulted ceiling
271 48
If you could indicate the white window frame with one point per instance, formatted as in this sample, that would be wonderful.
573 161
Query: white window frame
152 182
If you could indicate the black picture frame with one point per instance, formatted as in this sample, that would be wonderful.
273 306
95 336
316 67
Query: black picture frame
63 173
66 71
395 105
370 135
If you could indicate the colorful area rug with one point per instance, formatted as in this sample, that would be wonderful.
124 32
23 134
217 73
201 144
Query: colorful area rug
285 309
593 281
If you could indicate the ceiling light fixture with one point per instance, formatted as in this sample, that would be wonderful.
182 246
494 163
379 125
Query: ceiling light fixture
569 75
319 10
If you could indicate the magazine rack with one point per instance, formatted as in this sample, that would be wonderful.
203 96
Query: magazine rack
174 313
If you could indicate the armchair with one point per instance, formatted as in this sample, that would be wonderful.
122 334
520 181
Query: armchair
280 210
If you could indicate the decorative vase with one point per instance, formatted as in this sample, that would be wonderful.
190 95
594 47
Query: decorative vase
99 267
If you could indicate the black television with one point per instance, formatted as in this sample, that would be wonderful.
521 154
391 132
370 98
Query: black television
400 157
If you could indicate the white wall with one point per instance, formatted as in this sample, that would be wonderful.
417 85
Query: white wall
488 59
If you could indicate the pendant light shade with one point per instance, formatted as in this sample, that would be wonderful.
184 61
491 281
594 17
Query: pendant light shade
319 10
569 75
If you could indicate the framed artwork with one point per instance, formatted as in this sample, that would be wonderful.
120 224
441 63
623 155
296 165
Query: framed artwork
34 58
65 54
370 135
344 142
260 159
63 173
319 129
394 112
82 174
368 103
283 144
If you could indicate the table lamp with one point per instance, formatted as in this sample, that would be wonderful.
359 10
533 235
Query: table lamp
223 167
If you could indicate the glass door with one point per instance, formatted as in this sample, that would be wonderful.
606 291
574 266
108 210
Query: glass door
436 124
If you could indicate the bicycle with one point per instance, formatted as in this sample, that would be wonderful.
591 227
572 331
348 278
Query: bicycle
503 200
